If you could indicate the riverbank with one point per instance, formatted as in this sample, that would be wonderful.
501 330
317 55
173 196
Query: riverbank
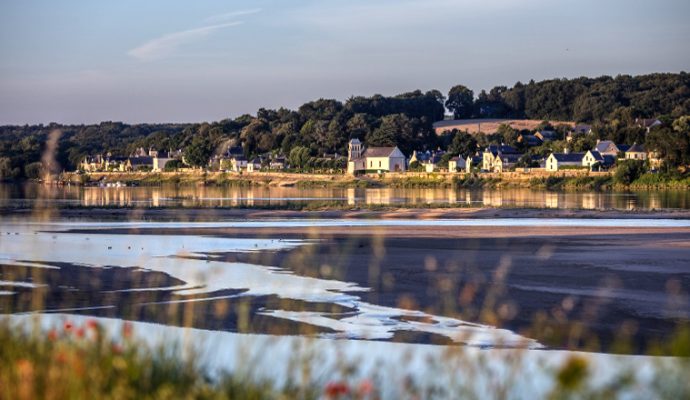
536 178
382 212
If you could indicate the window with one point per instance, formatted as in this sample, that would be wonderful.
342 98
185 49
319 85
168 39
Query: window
379 164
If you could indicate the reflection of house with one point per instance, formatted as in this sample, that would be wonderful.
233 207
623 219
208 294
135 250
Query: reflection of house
636 152
558 161
456 164
374 158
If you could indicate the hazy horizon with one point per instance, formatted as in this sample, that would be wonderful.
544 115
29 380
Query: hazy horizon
169 61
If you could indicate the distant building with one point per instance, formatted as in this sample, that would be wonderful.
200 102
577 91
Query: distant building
456 164
581 129
636 152
359 159
530 140
254 165
607 147
506 154
546 135
593 160
138 163
648 124
558 161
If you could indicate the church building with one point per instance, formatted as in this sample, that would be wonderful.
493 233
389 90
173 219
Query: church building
374 159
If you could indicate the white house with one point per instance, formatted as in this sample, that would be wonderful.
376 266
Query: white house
456 163
557 161
374 158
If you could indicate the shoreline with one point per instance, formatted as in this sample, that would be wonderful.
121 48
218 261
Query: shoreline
386 213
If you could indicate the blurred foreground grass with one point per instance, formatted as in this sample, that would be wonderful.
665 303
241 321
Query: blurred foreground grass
86 362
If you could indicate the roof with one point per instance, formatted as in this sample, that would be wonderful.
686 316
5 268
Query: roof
547 134
456 159
422 155
623 147
510 158
355 141
636 148
502 149
141 160
570 157
597 156
379 151
582 128
603 145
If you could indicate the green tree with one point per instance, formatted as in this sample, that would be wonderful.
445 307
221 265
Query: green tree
463 144
299 157
198 153
460 102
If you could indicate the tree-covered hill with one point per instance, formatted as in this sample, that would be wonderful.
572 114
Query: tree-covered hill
324 126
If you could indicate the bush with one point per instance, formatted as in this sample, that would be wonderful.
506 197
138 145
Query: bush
34 170
628 171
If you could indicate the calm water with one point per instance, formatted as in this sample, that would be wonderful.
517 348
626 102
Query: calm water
198 196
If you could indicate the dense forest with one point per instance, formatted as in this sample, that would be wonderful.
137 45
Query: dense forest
324 126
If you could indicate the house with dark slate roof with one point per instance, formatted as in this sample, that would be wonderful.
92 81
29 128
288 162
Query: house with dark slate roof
636 152
557 161
492 154
375 159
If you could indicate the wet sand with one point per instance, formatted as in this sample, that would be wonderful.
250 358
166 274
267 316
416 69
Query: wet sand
591 287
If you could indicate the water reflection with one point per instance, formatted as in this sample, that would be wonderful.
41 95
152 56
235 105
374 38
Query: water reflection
33 195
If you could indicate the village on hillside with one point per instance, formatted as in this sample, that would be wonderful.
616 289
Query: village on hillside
363 159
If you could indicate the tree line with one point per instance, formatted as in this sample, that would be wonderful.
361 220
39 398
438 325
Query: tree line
323 127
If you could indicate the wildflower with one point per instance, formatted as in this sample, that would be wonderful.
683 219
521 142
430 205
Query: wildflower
365 388
127 330
336 389
80 332
68 326
92 324
52 335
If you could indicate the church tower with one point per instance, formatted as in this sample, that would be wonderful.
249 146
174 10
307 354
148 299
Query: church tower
354 149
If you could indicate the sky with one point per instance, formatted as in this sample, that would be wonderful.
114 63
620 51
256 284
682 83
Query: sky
86 61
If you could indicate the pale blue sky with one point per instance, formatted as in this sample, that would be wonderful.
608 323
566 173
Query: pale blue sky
84 61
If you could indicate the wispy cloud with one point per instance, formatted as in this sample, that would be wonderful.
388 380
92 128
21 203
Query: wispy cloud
166 45
232 15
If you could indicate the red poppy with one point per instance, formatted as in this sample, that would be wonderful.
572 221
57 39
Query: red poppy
52 335
92 324
68 326
80 332
336 389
